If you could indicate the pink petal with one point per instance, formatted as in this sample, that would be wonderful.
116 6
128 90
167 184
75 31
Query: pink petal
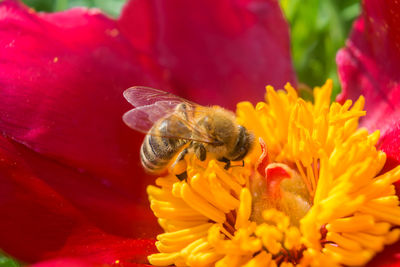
98 249
64 262
370 65
48 210
389 257
214 52
62 77
73 262
390 144
61 86
95 246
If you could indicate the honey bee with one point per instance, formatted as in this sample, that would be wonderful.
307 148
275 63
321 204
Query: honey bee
175 125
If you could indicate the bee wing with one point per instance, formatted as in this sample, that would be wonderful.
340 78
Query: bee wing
143 118
142 96
153 104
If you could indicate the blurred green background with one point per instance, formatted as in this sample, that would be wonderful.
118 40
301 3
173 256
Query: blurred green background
111 7
8 262
318 29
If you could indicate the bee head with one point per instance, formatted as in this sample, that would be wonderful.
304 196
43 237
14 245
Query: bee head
244 143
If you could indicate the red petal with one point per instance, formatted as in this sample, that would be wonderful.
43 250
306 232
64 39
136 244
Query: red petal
64 262
95 246
62 77
370 65
215 52
73 262
47 209
390 144
389 257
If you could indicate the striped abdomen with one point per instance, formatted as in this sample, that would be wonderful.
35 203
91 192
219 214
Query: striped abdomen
162 143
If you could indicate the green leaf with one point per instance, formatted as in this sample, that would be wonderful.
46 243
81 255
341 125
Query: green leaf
8 262
111 7
40 5
319 28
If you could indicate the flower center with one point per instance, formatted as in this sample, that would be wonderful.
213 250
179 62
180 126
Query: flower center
277 186
310 192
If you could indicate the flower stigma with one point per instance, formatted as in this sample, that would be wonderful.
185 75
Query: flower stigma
310 193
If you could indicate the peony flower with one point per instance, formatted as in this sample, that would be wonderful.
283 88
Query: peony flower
322 193
368 65
73 190
309 194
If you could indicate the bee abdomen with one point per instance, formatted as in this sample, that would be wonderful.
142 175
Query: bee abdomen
156 152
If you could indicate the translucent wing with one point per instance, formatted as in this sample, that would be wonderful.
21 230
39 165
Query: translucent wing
142 96
143 118
153 105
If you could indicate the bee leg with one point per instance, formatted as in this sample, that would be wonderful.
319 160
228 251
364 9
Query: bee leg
182 176
182 155
227 161
200 151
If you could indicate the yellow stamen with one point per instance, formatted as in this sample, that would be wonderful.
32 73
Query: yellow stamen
321 200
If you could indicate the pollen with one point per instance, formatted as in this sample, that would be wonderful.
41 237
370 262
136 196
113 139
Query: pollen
310 193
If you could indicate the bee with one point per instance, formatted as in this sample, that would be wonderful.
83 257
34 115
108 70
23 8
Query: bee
174 125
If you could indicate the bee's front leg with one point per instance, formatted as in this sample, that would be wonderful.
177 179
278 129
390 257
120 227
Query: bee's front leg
182 155
182 175
227 162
